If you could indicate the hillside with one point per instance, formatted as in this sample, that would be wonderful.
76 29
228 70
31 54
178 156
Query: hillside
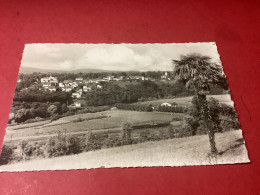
174 152
29 70
186 101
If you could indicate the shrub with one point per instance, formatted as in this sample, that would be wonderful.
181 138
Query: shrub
148 136
171 132
163 134
223 117
113 141
6 154
189 127
95 141
55 117
74 145
33 120
127 131
79 119
56 146
22 115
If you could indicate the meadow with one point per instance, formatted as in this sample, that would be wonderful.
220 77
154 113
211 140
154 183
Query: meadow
104 121
113 121
186 101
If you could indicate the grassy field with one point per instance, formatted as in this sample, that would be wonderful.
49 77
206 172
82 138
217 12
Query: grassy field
186 101
173 152
114 120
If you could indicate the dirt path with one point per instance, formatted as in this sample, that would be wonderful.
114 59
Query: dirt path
40 137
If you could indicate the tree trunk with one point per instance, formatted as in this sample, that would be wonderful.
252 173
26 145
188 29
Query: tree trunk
208 122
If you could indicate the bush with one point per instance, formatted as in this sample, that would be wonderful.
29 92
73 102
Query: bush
224 118
189 128
163 134
79 119
228 123
148 136
74 145
127 131
6 154
56 146
151 124
55 117
95 141
22 115
113 141
33 120
171 132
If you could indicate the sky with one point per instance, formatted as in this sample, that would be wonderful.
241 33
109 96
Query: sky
118 57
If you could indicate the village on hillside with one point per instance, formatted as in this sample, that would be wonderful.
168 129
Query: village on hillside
79 86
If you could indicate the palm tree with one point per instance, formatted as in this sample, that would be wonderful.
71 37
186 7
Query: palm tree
198 72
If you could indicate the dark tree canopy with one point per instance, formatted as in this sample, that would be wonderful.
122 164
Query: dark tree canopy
198 72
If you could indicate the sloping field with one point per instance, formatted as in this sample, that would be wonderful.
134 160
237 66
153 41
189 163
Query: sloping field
114 120
175 152
186 101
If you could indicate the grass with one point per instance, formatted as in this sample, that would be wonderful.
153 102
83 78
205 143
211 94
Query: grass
186 101
114 120
173 152
28 125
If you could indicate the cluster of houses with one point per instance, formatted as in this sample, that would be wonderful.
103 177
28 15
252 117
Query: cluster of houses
49 83
165 76
52 84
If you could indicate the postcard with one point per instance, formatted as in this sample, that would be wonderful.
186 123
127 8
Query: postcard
85 106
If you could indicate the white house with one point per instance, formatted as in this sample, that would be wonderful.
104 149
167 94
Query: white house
53 80
139 78
45 80
165 76
76 95
99 86
86 88
61 85
109 78
49 80
68 89
79 80
77 104
75 84
46 84
52 88
166 104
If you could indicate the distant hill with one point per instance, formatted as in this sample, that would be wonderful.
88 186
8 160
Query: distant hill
29 70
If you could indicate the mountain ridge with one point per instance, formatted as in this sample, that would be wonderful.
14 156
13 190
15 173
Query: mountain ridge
30 70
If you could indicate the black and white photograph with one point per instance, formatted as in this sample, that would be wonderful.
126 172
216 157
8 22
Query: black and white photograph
85 106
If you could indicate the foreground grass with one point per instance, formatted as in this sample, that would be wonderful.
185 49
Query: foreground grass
175 152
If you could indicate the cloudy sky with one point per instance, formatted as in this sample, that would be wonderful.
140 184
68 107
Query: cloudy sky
119 57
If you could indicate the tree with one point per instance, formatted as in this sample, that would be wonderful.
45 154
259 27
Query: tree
198 72
52 110
6 154
127 131
22 115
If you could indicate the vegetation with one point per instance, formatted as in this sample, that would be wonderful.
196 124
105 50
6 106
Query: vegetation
198 72
223 117
6 154
98 124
